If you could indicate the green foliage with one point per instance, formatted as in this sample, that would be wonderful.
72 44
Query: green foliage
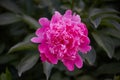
19 58
6 75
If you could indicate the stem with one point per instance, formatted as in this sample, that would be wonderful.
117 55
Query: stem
72 5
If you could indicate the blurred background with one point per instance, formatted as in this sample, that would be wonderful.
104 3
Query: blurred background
19 58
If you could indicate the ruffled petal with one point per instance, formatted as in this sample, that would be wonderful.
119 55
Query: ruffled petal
69 64
43 57
76 18
84 40
40 31
44 22
56 17
78 61
68 14
52 58
83 28
43 48
36 39
85 49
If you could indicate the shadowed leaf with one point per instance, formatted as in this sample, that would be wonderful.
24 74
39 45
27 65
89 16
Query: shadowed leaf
8 18
27 63
105 42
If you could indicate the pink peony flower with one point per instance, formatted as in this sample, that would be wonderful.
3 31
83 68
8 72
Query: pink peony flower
61 38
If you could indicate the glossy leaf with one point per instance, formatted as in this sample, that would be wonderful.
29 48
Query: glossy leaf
8 18
105 42
27 63
47 69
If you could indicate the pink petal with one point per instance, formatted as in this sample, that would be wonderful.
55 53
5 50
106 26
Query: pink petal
52 58
36 39
76 18
40 31
43 48
78 61
43 57
84 40
85 49
68 14
83 28
69 64
44 22
56 17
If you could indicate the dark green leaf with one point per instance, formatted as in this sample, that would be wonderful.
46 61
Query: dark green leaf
85 77
117 55
97 11
8 18
112 32
10 6
96 22
105 42
7 58
2 47
56 76
23 46
115 24
111 68
47 69
3 76
27 63
31 21
6 75
90 56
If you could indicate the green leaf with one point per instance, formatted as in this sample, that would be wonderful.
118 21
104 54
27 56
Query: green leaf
10 6
6 75
90 56
96 11
112 32
8 18
47 69
85 77
111 68
27 63
56 76
3 76
7 58
105 42
96 22
115 24
23 46
117 55
2 47
30 21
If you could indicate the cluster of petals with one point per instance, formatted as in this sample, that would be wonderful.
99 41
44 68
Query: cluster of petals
61 38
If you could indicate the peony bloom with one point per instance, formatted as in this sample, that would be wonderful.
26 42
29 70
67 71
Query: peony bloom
61 38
